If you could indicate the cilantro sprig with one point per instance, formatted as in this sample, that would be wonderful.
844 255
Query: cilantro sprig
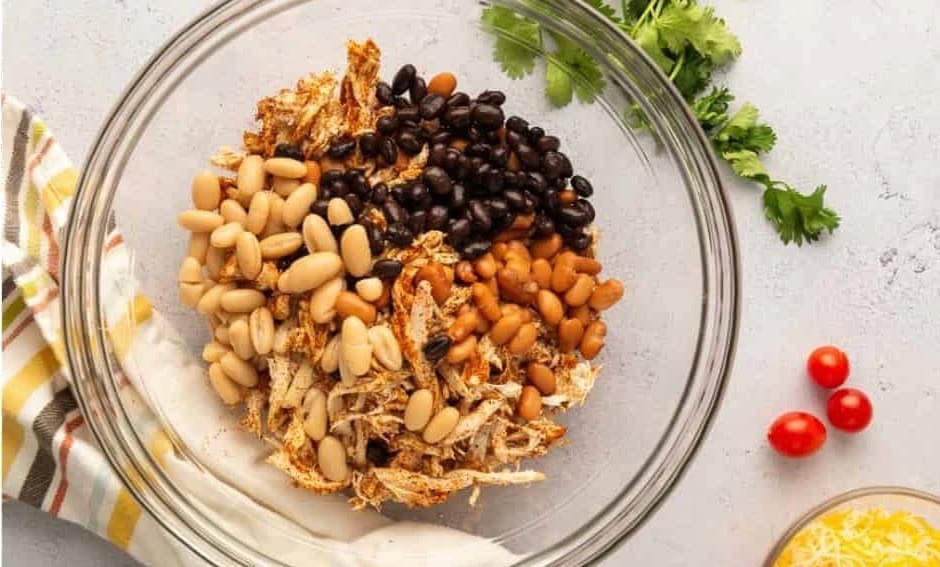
689 43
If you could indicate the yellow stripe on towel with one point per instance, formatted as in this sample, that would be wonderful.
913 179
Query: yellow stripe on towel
123 519
122 332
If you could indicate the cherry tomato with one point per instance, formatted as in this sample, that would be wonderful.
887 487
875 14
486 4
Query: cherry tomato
796 434
849 409
828 366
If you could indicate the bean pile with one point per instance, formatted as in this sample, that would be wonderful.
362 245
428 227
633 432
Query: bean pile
487 177
309 273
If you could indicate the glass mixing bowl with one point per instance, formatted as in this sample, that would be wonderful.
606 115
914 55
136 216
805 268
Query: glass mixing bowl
666 232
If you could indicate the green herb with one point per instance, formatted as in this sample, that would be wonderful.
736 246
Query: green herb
689 43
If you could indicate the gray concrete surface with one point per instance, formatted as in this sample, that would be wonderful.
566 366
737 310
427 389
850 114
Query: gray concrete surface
851 90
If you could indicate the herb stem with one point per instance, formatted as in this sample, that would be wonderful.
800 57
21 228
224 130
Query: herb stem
677 67
643 16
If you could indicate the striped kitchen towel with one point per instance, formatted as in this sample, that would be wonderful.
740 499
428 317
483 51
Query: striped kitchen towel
50 459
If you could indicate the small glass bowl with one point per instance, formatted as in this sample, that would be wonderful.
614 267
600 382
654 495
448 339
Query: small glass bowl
666 232
890 498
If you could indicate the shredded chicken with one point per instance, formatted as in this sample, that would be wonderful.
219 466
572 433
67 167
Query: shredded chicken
388 462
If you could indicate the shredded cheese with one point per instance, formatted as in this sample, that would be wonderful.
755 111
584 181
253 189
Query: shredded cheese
863 538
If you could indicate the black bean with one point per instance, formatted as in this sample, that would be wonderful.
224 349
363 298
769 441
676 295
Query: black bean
401 102
418 221
493 180
340 147
499 207
408 114
588 209
403 79
291 151
552 165
397 194
369 144
377 452
355 203
515 198
493 137
531 202
408 141
495 98
430 127
438 180
458 99
582 186
330 176
551 201
534 133
462 169
326 193
457 117
566 168
418 90
399 235
437 217
450 159
436 347
389 150
424 204
544 225
379 193
516 124
503 222
320 207
560 184
441 137
573 215
458 229
474 134
458 197
512 179
339 188
479 149
376 239
387 124
548 144
514 139
476 163
528 157
431 106
394 212
386 269
357 182
487 116
416 192
475 248
499 156
384 93
579 241
482 220
437 154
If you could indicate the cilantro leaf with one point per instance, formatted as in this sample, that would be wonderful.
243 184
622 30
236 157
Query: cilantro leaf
601 6
798 217
517 40
558 86
712 109
693 75
647 37
583 74
746 164
743 132
684 23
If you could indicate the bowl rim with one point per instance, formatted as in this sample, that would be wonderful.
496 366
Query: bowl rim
125 451
842 499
